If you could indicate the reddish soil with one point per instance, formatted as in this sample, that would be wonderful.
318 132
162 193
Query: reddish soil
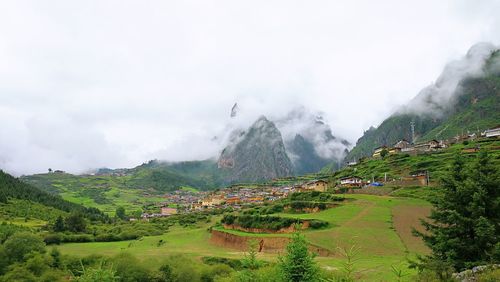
406 218
266 244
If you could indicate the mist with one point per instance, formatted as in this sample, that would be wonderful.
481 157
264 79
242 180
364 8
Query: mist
113 84
436 98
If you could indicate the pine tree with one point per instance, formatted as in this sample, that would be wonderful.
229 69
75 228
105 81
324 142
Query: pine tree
120 213
250 261
298 263
59 224
464 226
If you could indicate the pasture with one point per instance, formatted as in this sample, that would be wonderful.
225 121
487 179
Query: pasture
379 226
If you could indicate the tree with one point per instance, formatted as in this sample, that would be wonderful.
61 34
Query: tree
384 153
165 273
19 273
464 226
59 224
75 223
298 263
50 170
21 244
120 213
100 273
250 261
56 258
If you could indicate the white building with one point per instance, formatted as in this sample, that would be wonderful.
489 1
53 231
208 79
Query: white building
493 132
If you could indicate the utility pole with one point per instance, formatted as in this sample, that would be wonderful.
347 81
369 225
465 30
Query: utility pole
412 126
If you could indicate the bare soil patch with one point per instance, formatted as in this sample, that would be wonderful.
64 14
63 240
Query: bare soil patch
266 244
405 218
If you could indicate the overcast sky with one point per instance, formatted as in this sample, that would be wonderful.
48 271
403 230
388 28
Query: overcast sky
86 84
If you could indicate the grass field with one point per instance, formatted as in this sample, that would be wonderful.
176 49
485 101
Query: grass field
377 225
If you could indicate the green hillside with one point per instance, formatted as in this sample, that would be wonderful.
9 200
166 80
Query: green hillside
435 163
476 107
19 200
130 188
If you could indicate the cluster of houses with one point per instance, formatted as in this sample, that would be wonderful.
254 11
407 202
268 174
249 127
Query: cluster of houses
238 196
403 146
235 197
417 179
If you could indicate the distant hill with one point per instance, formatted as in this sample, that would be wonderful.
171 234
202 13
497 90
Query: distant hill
255 155
12 189
130 188
465 98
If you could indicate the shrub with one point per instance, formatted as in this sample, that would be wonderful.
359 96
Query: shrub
21 244
233 263
317 224
53 239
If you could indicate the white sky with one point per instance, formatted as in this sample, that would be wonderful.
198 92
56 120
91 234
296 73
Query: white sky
86 84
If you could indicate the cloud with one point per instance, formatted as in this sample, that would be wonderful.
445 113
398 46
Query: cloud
439 96
136 81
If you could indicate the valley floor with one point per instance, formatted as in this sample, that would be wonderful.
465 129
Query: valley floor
380 226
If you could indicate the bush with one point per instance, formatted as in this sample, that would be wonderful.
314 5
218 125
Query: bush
107 238
317 224
128 268
211 273
53 239
21 244
233 263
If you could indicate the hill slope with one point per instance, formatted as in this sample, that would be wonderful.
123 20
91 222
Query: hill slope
435 163
12 190
455 104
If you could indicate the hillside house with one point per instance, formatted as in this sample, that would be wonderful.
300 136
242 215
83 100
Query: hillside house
394 150
402 144
166 211
378 151
493 132
428 146
212 201
351 181
353 163
255 199
315 185
233 200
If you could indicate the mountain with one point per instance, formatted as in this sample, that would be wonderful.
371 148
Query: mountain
465 98
309 141
256 154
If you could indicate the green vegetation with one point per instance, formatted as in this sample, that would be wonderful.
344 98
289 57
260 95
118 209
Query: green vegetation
267 222
12 188
464 228
298 263
435 164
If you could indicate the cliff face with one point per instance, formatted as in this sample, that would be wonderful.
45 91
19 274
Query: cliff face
255 155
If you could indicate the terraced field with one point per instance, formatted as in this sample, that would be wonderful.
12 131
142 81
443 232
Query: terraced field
377 225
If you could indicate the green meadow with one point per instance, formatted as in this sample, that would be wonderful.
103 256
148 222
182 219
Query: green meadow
363 221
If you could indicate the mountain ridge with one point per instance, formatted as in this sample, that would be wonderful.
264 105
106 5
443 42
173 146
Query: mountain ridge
468 102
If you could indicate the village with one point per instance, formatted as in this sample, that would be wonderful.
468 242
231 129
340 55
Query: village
403 146
235 197
238 196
